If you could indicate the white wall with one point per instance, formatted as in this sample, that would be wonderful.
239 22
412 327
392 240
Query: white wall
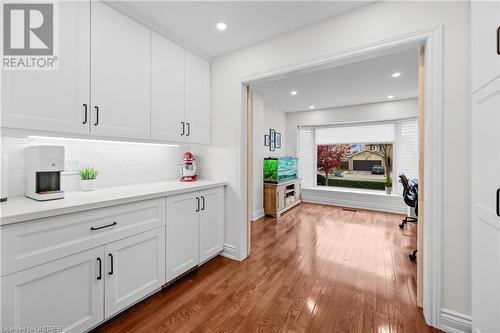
118 163
356 113
264 117
377 22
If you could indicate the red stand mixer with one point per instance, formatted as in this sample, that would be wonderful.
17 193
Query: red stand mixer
188 168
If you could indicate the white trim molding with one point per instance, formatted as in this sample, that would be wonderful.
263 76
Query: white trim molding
355 199
433 39
454 322
257 214
229 251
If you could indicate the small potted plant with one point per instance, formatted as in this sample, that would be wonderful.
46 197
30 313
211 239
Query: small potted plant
87 178
388 185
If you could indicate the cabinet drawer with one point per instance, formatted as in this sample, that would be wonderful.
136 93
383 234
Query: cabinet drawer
32 243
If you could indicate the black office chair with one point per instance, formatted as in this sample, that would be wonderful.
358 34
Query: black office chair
410 196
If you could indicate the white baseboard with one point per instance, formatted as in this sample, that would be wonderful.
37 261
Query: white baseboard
355 199
229 251
454 322
257 214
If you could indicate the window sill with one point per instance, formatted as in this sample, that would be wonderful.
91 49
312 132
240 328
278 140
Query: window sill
355 198
352 190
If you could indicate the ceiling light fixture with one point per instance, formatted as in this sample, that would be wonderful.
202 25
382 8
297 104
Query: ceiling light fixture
311 106
397 74
390 97
293 92
221 26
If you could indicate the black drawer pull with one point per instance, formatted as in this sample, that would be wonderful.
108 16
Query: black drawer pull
104 226
100 268
197 204
110 264
183 128
202 203
188 129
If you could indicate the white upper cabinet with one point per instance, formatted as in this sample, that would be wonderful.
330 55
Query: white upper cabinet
120 71
116 79
54 100
167 90
197 99
485 62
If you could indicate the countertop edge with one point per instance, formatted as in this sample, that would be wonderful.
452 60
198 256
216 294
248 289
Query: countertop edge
24 217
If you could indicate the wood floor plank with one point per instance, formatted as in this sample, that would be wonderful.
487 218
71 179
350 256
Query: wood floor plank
315 269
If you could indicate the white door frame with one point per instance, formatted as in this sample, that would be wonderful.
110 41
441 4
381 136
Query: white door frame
433 41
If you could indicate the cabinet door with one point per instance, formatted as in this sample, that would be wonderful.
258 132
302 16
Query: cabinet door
280 199
135 267
485 60
66 293
53 100
182 233
197 99
167 90
211 223
120 74
485 223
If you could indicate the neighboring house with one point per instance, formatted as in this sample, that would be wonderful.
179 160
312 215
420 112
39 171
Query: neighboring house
365 160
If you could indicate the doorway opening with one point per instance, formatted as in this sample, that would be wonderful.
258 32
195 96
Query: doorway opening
428 274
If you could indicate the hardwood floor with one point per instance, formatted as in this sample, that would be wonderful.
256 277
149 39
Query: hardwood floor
315 269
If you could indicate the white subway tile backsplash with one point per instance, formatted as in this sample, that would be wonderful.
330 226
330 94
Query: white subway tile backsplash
118 163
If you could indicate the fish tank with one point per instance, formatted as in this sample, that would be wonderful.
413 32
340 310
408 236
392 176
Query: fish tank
280 169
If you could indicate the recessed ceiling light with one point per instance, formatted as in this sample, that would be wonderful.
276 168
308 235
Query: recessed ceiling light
311 106
221 26
397 74
293 92
390 97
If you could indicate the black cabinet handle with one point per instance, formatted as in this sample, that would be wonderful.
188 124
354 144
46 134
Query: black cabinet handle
498 202
110 264
188 129
498 41
96 115
183 128
104 226
100 268
197 204
202 203
85 113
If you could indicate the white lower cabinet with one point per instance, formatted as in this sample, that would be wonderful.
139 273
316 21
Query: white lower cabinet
119 255
182 234
211 223
67 293
135 267
195 229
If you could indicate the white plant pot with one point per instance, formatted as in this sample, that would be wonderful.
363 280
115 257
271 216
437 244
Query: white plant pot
87 184
388 190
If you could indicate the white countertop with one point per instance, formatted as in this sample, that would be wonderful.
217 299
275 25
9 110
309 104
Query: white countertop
21 209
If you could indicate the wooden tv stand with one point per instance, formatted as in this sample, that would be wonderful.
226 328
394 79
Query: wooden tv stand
279 198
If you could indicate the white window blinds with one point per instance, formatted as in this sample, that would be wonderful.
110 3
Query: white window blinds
406 151
306 150
367 133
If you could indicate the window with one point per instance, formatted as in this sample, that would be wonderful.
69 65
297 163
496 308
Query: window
354 165
358 155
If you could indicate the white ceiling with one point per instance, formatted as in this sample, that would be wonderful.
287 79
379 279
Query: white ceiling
367 81
192 24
